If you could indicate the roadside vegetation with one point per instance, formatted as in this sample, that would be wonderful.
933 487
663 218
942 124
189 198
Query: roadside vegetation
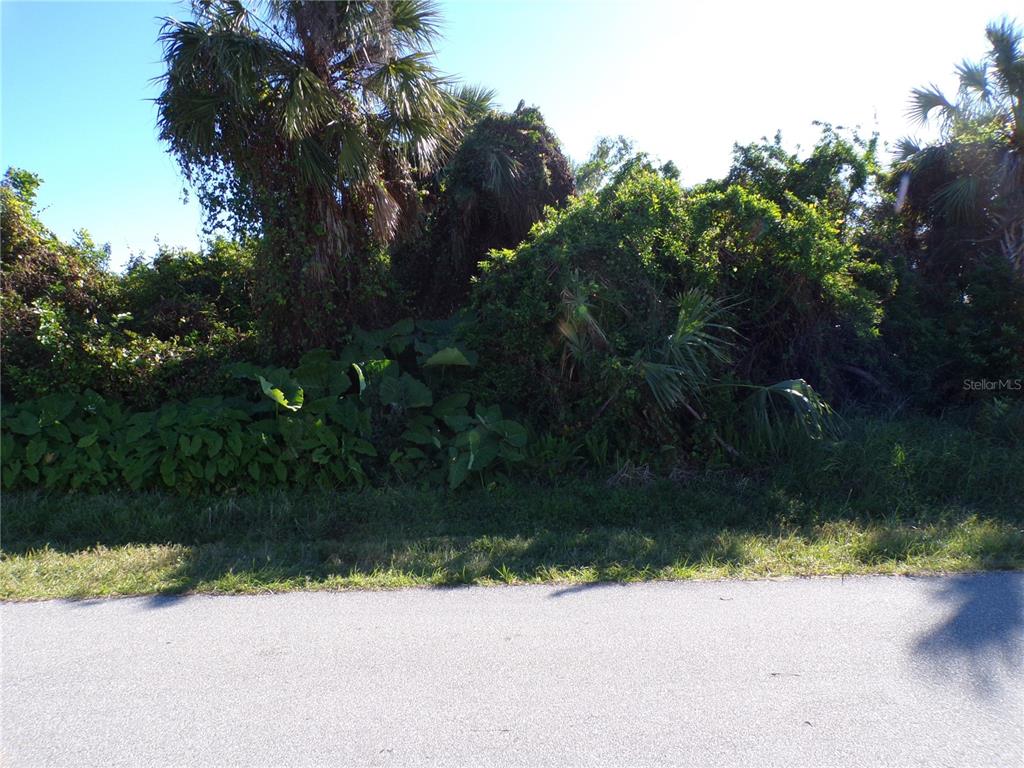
427 348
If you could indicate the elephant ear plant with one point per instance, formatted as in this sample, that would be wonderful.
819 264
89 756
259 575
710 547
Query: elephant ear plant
316 425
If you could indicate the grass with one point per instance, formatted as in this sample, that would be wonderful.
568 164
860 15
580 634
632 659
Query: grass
548 557
919 496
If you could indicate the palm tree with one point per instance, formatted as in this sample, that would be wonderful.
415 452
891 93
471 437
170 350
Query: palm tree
974 176
309 123
508 168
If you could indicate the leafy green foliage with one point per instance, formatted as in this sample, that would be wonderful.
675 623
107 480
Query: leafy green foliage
162 331
189 294
629 312
952 226
606 160
974 175
311 426
506 170
310 125
609 158
638 325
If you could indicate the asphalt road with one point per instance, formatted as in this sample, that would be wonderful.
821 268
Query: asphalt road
855 672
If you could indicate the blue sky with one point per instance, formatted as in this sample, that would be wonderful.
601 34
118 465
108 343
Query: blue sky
683 79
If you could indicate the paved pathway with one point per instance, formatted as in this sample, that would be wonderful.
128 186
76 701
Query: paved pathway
855 672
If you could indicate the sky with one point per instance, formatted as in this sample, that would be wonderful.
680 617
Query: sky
683 79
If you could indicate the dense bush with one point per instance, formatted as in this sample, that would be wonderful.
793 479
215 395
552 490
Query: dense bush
957 238
641 323
161 331
330 422
584 322
191 294
957 314
956 338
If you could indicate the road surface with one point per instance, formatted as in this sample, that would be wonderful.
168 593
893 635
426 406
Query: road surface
868 671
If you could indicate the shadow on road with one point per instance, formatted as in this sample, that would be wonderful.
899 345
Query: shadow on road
982 635
584 587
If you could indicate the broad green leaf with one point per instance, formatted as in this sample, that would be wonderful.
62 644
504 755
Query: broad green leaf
458 468
168 469
278 396
451 356
135 432
450 405
35 449
60 432
405 392
420 435
56 407
512 431
215 441
459 422
362 446
24 423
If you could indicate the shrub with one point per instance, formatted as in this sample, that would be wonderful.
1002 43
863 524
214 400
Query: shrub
628 300
330 422
51 292
183 293
957 312
160 332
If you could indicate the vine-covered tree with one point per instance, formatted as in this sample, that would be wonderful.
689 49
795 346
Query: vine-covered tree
308 123
508 167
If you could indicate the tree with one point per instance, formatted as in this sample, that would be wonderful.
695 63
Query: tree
309 125
956 238
836 175
606 159
507 169
972 180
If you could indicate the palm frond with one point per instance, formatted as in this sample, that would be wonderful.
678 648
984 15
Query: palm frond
417 23
699 339
417 107
356 152
960 198
906 148
307 105
923 101
778 409
974 80
476 101
680 371
665 383
313 163
1007 41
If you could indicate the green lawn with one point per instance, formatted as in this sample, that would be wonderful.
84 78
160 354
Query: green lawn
601 554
